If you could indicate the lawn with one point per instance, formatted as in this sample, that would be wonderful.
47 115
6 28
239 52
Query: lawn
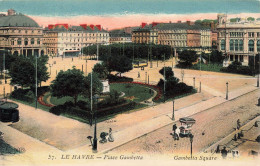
208 67
133 92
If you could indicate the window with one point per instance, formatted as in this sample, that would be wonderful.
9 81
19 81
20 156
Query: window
19 41
38 41
241 43
231 45
223 45
250 34
236 45
241 58
32 41
251 45
236 57
231 57
26 41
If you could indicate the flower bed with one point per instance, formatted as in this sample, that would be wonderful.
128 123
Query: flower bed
40 100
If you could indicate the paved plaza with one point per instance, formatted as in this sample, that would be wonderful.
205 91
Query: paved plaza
137 131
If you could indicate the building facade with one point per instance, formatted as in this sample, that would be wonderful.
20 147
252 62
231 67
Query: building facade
20 34
119 36
145 34
71 39
177 35
238 40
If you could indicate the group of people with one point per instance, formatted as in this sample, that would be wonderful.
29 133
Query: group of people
104 135
174 134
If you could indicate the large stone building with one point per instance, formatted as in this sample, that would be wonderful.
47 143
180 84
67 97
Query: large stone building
177 35
238 40
145 34
20 34
119 36
65 40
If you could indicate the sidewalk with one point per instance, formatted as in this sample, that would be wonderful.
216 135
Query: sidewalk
157 122
145 121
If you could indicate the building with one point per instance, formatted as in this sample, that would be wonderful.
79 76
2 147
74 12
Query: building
69 40
177 35
145 34
119 36
20 34
194 38
239 41
50 42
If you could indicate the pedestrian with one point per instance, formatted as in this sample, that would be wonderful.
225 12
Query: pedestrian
138 76
224 153
110 136
238 124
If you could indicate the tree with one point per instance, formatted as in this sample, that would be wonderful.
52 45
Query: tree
100 70
168 72
97 86
250 19
187 57
216 56
171 81
22 71
119 63
68 83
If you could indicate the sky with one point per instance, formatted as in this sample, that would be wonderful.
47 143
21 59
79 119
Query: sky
113 14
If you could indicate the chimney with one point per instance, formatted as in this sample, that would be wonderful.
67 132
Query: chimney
10 12
99 27
50 26
143 24
91 26
170 22
62 25
154 24
83 26
179 21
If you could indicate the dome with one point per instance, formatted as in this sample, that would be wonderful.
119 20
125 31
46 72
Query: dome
17 20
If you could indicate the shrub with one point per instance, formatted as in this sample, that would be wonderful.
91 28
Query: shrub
23 94
113 78
236 67
83 104
57 110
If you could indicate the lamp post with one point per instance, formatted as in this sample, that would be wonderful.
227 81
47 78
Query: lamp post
146 77
36 82
194 82
94 148
200 86
191 140
50 65
227 91
164 84
173 118
258 71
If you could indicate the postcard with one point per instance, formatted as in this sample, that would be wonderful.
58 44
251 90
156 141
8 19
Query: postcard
129 82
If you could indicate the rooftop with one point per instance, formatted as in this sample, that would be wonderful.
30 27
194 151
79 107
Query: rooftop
17 20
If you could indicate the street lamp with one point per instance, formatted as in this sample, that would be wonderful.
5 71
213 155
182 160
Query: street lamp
173 118
50 65
191 140
94 148
194 82
258 72
227 91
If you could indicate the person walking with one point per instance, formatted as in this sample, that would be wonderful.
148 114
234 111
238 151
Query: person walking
110 136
